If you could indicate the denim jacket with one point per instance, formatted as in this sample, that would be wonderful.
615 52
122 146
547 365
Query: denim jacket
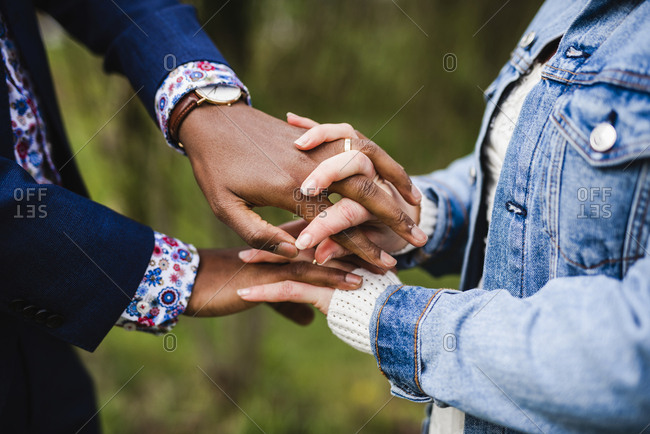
558 337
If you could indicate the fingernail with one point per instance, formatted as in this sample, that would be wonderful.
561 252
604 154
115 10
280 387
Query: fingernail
286 249
244 255
353 279
290 114
419 235
243 292
387 260
304 241
301 141
416 192
326 260
308 187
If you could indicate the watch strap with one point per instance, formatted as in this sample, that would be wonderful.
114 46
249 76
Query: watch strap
182 108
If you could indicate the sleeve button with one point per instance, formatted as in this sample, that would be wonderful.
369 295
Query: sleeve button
54 321
41 316
528 40
29 311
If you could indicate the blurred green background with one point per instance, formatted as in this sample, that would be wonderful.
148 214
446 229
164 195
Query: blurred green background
377 64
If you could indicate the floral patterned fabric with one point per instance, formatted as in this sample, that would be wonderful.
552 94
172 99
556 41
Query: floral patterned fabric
165 288
32 148
167 284
185 79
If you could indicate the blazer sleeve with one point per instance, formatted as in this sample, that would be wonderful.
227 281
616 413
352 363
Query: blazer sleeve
142 39
70 265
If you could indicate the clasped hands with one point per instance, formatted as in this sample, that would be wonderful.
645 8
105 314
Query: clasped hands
242 158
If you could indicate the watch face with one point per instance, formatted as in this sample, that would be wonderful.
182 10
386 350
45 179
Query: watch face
219 93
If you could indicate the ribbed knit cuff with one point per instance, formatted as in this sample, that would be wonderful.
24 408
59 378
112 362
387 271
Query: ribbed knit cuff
428 218
350 311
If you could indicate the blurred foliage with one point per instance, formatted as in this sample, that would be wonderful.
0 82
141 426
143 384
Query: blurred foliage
377 64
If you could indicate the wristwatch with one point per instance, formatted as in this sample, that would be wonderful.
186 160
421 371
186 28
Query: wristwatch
218 94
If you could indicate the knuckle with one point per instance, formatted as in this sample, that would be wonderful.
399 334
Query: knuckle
349 211
367 187
402 219
349 128
285 291
365 165
368 147
298 269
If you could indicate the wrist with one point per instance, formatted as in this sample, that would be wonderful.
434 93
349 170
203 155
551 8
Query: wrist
350 312
187 79
222 119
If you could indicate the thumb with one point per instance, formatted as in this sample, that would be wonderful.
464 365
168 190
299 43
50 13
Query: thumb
256 231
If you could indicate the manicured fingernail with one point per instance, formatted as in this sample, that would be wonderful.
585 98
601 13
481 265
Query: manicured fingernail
308 188
286 249
419 235
416 192
244 255
290 114
243 292
301 141
304 241
326 260
387 260
353 279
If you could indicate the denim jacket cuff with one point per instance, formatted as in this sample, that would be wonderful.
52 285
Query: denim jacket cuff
394 338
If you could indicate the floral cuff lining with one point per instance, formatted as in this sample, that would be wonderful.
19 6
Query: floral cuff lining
185 79
165 289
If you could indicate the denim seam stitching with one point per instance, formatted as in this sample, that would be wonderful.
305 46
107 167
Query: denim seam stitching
447 230
450 192
641 222
377 335
415 340
624 84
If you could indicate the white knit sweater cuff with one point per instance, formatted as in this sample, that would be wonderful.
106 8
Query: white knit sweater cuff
350 311
428 219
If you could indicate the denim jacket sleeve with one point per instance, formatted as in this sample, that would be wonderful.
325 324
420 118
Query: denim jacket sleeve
452 190
573 357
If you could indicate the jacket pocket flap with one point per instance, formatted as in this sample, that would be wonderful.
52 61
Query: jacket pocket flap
627 111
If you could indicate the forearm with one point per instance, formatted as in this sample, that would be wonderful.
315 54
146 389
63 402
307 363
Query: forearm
573 356
142 39
451 192
68 256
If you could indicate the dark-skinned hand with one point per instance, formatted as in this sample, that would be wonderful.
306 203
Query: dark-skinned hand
243 158
221 273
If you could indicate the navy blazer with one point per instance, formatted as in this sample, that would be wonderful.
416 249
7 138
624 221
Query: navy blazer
66 276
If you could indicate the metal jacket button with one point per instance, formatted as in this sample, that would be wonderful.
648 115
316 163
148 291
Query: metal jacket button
528 40
603 137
